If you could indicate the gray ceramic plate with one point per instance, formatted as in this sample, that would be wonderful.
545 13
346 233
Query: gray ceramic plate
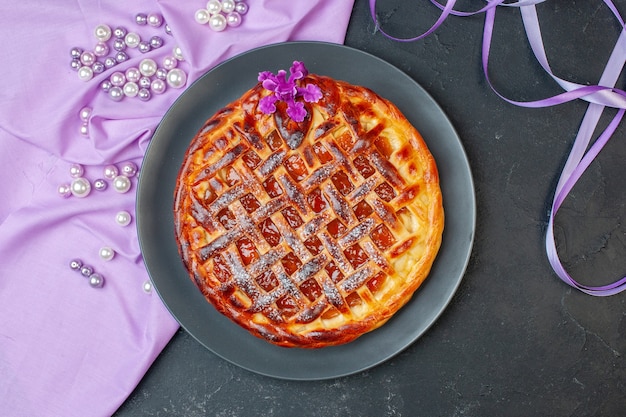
222 85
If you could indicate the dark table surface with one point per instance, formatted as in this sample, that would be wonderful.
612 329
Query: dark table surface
515 340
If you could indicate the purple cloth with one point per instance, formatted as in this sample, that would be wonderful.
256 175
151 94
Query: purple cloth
67 349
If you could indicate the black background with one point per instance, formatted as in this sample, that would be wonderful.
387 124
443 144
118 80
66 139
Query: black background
515 340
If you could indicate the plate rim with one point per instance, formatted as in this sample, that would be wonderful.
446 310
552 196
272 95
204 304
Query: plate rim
451 290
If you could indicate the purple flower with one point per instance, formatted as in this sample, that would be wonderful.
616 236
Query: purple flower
296 111
311 93
286 89
268 104
298 71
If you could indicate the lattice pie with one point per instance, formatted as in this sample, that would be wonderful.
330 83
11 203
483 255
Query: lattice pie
308 233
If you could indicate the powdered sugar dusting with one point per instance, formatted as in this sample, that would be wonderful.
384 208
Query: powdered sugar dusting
357 232
386 215
332 294
320 175
210 169
313 226
339 204
272 163
243 279
364 189
218 244
266 261
356 280
375 256
335 252
294 193
228 197
310 268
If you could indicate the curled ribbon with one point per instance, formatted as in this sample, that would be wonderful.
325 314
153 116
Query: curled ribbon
599 96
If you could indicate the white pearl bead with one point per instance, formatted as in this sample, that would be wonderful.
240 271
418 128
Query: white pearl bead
123 218
169 62
233 19
241 7
147 287
106 253
155 20
176 78
228 6
110 172
217 22
76 170
202 16
85 73
133 74
158 86
84 129
129 169
65 190
214 6
132 39
102 32
148 67
121 184
85 114
118 78
131 89
87 58
101 49
80 187
178 53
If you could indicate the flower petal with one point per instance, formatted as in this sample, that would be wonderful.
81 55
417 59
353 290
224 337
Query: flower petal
265 75
296 111
270 84
311 93
268 104
281 75
298 71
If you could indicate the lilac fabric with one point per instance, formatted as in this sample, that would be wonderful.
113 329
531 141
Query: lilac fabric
67 349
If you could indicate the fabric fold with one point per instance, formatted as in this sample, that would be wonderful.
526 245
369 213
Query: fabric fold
67 349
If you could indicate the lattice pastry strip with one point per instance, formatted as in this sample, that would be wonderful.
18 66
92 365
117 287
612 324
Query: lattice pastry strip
309 234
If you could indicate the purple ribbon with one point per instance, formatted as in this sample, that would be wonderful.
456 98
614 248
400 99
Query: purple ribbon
599 96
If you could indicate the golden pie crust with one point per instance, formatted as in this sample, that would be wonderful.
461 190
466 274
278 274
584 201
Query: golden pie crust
309 234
